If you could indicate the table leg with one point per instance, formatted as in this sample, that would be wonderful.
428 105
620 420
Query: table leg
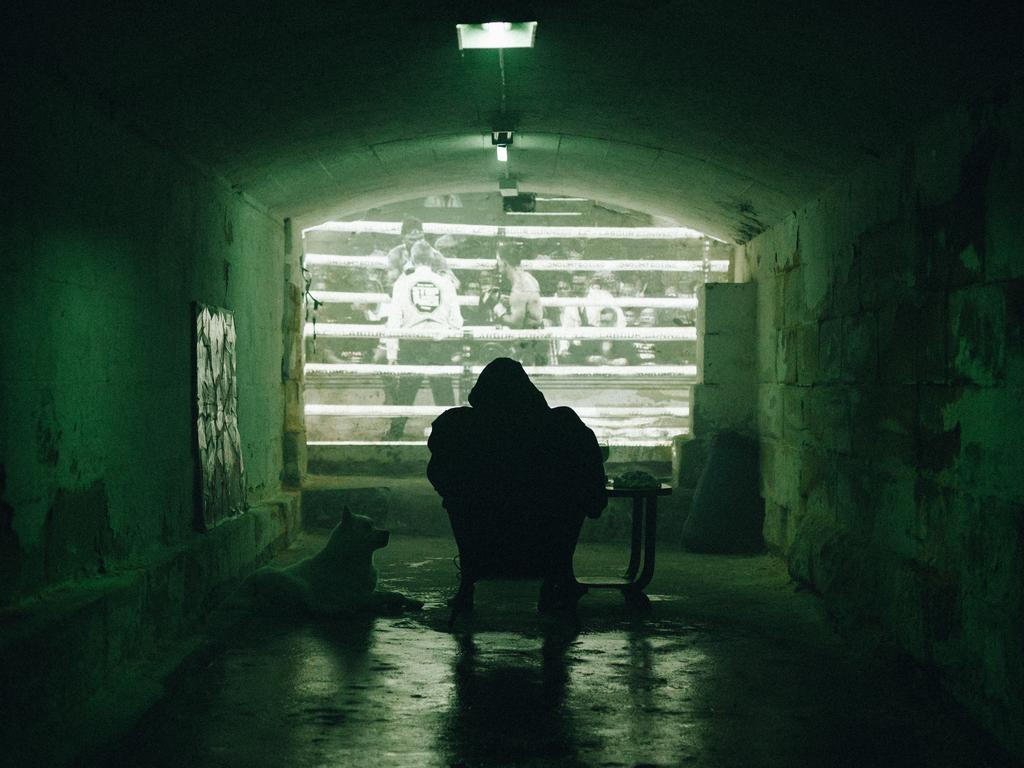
650 537
634 542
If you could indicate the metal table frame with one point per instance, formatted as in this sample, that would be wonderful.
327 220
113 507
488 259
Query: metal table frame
642 543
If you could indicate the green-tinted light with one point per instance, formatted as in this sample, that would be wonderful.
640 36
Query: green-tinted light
497 34
502 153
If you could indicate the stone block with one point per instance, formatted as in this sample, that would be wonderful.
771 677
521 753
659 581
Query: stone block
767 350
860 348
817 485
794 424
786 356
978 325
782 253
931 330
777 535
294 409
729 308
886 260
830 350
769 410
780 473
855 501
769 303
816 273
827 418
989 449
794 303
846 272
898 343
895 512
883 423
938 432
807 354
728 358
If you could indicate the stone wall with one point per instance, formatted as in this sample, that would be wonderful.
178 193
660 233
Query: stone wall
725 397
890 334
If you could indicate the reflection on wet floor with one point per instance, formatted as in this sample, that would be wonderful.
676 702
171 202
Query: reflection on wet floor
704 680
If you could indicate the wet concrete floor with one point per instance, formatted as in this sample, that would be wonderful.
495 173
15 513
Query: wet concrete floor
732 667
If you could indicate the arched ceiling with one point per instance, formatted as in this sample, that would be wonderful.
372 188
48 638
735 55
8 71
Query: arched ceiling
720 115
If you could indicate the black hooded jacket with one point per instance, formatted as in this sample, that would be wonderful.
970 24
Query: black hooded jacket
509 451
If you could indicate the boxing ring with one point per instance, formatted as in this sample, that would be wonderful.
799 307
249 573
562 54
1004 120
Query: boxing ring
658 409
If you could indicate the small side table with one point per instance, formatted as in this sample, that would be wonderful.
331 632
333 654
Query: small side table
644 536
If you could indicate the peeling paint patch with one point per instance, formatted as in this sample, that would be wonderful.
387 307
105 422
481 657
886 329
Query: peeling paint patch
48 431
749 225
78 539
11 555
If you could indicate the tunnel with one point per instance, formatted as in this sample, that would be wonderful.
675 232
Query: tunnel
804 220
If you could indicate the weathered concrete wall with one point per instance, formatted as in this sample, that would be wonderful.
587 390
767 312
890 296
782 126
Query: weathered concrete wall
110 238
891 399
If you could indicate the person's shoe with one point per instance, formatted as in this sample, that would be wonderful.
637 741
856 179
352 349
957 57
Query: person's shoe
561 596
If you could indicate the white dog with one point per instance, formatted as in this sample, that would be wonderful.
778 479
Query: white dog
340 578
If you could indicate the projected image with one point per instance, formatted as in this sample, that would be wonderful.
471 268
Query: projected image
403 311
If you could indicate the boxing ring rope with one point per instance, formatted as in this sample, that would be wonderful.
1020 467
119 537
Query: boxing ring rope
397 411
490 333
525 232
659 302
611 441
380 261
329 370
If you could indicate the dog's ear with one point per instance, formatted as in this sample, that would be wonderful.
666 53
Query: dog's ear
346 516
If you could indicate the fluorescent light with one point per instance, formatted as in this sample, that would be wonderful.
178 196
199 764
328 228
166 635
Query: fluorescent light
497 34
502 153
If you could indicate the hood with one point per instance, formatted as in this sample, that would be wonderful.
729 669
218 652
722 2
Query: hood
504 386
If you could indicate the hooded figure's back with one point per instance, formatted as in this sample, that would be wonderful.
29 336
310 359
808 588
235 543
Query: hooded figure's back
510 454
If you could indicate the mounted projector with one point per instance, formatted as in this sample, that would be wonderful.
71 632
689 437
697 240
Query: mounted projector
508 187
524 203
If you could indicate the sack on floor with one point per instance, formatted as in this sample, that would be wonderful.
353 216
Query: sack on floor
727 512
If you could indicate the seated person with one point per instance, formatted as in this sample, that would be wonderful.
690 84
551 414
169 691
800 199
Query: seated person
606 351
517 479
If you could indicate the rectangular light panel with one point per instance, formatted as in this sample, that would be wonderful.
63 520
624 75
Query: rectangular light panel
497 34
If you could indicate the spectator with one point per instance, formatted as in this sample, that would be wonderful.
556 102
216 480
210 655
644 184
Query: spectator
400 258
608 351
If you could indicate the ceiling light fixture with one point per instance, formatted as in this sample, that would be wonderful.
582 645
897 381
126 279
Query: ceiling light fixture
501 141
497 34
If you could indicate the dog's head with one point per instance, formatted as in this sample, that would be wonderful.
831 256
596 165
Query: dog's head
356 532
